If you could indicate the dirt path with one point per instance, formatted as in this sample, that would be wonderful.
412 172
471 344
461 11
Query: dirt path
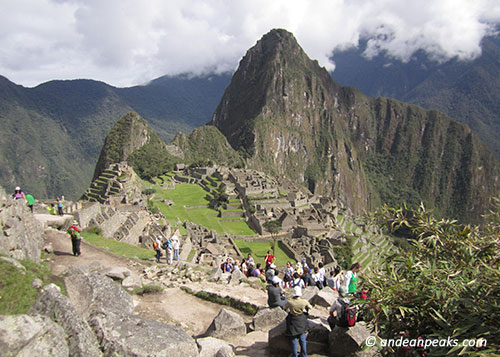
172 306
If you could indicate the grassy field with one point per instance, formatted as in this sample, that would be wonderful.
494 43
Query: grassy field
190 195
118 248
259 250
17 293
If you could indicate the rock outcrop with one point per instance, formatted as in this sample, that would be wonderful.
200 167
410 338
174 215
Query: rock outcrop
227 324
21 236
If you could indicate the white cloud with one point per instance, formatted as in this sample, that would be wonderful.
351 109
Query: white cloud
126 42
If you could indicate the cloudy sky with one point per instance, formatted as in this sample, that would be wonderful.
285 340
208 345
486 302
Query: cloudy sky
128 42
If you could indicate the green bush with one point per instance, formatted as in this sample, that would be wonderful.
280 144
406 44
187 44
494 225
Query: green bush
445 286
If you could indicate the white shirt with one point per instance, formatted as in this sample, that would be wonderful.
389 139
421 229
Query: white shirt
175 242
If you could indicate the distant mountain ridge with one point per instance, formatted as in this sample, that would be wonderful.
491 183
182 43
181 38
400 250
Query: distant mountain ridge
52 134
285 114
468 91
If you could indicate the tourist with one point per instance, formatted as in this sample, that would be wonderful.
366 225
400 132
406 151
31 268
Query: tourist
244 267
250 259
288 278
30 201
296 321
351 278
306 276
337 310
169 250
227 267
317 279
59 203
270 273
18 194
269 259
76 238
52 209
305 267
175 244
322 273
275 293
236 265
297 281
156 247
256 271
336 279
298 269
251 268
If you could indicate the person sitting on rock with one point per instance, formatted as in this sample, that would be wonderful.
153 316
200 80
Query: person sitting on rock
227 267
258 272
270 273
297 281
340 306
296 321
244 267
250 259
275 293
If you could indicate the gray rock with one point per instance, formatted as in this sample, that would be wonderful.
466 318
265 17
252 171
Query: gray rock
128 335
309 293
225 277
89 290
216 274
48 248
211 346
14 262
267 318
132 282
117 273
21 236
236 277
37 284
27 336
54 305
227 324
278 342
347 341
325 297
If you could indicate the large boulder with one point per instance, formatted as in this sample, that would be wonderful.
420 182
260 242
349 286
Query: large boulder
211 346
309 293
131 282
24 335
347 341
129 335
216 274
54 305
236 277
21 236
226 324
325 297
90 290
267 318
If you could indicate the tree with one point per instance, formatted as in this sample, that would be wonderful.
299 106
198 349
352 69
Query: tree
446 285
273 227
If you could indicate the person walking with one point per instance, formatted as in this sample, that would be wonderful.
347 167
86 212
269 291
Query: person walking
169 250
30 201
76 238
157 248
296 321
176 244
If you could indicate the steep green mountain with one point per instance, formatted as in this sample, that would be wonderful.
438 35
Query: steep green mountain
468 91
207 144
74 118
285 114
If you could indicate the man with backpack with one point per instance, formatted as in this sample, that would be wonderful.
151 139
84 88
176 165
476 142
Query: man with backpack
296 321
341 312
76 238
169 251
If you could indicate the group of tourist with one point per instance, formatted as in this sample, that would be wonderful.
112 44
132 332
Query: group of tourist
30 201
171 246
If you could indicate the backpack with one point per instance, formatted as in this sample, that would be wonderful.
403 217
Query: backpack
155 245
347 317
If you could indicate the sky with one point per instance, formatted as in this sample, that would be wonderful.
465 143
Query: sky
130 42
